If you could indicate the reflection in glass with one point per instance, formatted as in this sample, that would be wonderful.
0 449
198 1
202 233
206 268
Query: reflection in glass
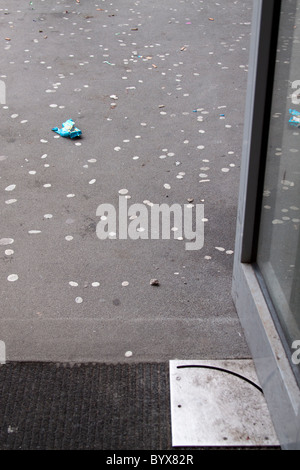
279 239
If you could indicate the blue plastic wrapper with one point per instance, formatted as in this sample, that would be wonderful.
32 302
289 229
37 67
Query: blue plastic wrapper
295 119
68 129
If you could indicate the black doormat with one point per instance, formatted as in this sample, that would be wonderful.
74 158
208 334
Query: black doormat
46 406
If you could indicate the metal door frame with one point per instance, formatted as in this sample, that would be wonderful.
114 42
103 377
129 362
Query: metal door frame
273 367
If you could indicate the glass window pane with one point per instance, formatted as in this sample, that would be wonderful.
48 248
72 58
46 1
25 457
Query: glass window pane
279 238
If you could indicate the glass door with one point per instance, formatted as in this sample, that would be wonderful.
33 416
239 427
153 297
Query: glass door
266 271
278 247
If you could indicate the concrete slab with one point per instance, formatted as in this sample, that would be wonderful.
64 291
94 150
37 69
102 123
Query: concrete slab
218 403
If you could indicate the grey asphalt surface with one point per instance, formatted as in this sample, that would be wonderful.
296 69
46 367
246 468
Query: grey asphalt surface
179 70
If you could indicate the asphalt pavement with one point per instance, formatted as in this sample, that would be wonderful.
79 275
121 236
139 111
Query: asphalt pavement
157 89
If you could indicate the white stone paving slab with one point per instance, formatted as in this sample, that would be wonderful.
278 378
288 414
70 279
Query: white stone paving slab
218 403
